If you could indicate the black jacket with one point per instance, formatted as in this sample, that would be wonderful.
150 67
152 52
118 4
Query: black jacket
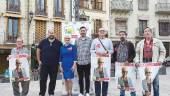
131 51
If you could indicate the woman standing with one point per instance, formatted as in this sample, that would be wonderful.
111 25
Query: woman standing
68 63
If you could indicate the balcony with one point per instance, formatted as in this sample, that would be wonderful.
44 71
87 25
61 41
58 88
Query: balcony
162 8
40 12
121 6
13 7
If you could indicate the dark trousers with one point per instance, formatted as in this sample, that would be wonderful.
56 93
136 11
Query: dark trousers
25 88
98 88
46 70
84 71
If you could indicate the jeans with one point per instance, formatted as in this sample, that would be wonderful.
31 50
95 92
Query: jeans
25 88
46 70
122 93
98 88
156 85
84 71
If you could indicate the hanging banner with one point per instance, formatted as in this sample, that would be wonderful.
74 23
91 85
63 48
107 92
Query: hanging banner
100 68
19 68
73 29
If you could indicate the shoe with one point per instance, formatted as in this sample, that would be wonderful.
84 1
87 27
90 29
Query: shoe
80 94
87 94
51 95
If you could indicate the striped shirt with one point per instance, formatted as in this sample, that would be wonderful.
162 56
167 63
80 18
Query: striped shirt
83 50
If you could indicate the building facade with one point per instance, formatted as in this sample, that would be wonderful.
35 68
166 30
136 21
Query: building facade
31 19
135 15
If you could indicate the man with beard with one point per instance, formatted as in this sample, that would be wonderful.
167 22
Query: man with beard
83 61
124 50
48 53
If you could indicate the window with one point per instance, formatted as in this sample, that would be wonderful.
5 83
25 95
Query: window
142 26
143 4
164 28
41 7
84 4
97 4
40 30
58 8
13 5
120 25
97 25
12 29
57 30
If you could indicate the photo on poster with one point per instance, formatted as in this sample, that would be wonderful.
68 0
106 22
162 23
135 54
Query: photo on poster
125 76
100 68
19 68
147 73
73 29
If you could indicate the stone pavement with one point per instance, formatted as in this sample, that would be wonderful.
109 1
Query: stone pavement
6 88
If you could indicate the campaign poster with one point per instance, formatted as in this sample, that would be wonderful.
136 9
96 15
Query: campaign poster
19 68
72 29
147 73
125 77
100 68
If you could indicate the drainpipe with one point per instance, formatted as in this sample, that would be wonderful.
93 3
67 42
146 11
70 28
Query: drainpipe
28 23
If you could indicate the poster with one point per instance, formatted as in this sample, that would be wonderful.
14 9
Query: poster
19 68
125 76
73 29
147 73
100 68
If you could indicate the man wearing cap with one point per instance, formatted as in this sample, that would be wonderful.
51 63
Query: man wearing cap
124 50
48 53
101 47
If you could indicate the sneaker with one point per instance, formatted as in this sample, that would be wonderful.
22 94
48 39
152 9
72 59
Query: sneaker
87 94
80 94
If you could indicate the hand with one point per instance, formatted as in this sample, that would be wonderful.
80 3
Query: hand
39 67
137 65
61 70
126 63
73 67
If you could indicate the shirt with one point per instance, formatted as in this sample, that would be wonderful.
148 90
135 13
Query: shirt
122 52
96 46
49 51
83 50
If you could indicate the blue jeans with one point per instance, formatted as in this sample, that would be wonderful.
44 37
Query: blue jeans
98 88
122 93
156 85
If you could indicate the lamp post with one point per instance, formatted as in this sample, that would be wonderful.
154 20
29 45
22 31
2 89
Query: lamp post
30 16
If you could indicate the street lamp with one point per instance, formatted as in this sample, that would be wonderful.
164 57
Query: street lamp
30 17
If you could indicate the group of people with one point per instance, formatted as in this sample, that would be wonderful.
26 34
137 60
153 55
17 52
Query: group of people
52 55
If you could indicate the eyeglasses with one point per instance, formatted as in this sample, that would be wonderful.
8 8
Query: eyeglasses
101 62
148 72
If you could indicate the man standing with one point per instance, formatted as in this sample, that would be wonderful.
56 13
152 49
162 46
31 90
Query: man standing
101 47
83 57
20 49
124 50
48 53
150 50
